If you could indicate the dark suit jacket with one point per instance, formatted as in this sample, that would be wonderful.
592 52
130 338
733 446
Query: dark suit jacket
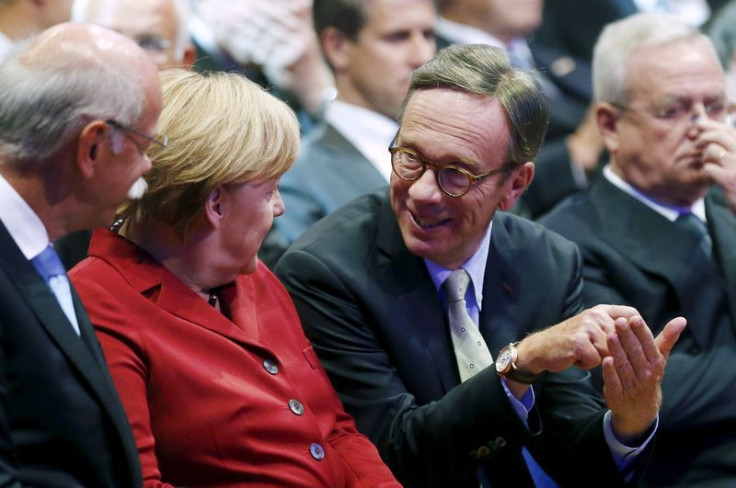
61 422
329 172
573 26
371 311
634 256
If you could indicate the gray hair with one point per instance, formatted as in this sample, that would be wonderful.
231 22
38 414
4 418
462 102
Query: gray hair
621 39
44 105
484 70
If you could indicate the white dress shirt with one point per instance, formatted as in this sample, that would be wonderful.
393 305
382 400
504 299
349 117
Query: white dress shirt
29 234
370 132
668 212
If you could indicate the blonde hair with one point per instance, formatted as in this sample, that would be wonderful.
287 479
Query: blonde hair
222 129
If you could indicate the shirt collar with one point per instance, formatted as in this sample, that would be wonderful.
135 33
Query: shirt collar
475 266
667 211
464 34
24 226
370 132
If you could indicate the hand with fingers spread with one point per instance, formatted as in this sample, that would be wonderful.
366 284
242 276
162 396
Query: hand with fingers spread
632 374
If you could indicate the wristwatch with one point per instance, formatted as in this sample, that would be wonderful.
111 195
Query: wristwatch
506 366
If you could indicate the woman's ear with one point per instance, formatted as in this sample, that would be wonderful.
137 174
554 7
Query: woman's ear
214 207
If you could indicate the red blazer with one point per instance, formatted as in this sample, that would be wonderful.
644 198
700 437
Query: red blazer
214 402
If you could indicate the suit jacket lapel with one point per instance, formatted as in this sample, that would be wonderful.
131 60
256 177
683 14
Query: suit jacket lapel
500 292
144 273
83 353
668 252
404 277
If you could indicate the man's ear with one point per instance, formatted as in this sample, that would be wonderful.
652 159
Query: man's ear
520 179
336 48
214 208
91 147
190 54
607 117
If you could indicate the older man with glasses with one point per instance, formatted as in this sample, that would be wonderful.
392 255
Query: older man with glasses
408 296
657 231
65 165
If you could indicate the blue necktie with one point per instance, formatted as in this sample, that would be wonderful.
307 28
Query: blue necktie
51 269
695 226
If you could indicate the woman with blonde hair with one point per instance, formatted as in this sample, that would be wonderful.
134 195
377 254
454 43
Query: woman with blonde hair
220 385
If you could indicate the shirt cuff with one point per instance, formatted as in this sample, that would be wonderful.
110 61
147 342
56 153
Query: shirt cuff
523 406
624 455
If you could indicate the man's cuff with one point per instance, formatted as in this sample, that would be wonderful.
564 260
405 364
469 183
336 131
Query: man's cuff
523 406
624 455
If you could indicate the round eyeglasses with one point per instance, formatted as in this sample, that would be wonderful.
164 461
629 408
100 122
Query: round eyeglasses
451 179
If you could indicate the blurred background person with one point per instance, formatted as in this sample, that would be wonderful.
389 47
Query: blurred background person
722 31
272 42
20 19
220 384
158 26
372 49
78 107
573 26
656 231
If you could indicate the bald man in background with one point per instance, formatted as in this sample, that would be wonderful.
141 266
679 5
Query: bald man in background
78 107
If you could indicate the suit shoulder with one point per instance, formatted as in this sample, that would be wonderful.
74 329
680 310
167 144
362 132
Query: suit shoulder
527 233
574 215
347 228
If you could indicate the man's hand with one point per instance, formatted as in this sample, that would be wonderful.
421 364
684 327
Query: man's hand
633 372
579 341
716 142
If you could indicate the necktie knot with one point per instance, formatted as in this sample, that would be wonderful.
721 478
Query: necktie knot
48 264
695 226
456 285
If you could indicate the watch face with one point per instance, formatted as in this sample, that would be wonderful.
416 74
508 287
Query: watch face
505 357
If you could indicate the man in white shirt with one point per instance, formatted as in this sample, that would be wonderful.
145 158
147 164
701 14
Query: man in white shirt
372 49
656 231
78 107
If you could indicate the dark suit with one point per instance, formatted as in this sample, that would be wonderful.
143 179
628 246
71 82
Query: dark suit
370 309
633 255
61 422
329 172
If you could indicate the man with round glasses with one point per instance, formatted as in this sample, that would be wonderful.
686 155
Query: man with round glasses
409 296
657 230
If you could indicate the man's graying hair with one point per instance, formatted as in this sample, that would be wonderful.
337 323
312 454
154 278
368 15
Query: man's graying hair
486 71
44 105
620 40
